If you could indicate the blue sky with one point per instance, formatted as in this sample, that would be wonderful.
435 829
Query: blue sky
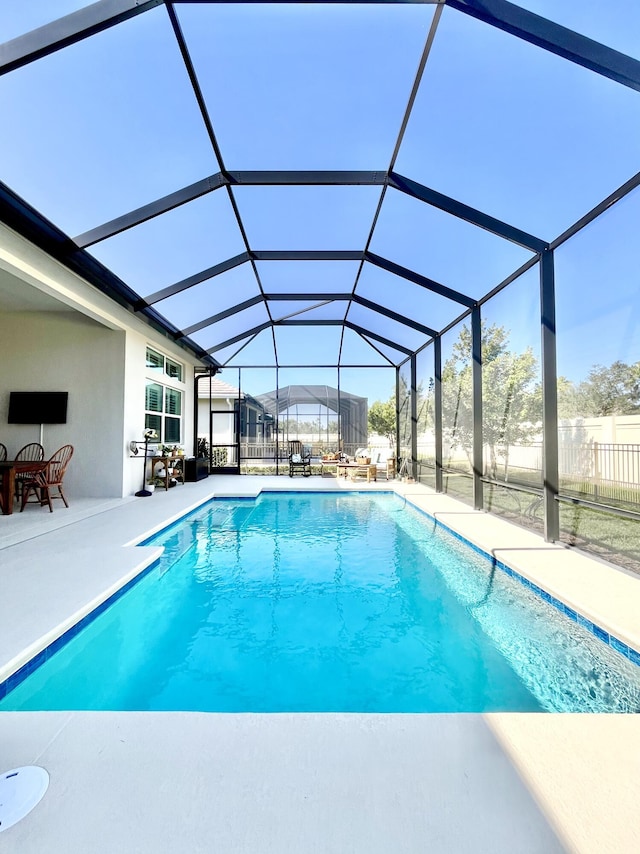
111 123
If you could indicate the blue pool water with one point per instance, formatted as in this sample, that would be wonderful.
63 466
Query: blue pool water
328 602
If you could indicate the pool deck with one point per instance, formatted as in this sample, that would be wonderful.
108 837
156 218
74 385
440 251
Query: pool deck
322 783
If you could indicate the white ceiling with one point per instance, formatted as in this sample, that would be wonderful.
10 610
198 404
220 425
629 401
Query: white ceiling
16 295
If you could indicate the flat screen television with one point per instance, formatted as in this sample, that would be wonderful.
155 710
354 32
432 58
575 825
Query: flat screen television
38 407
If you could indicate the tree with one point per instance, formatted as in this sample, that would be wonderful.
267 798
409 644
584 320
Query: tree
613 390
511 399
382 418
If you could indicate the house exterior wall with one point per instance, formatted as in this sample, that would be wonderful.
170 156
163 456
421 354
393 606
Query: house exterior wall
96 350
66 351
136 378
223 431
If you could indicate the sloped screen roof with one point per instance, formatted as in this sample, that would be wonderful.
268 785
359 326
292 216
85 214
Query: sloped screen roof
283 178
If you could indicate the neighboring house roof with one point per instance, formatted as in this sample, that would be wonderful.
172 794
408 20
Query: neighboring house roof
218 388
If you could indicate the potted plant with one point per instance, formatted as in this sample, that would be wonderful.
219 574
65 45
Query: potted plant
219 457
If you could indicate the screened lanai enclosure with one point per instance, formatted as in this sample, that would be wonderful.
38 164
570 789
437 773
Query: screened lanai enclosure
427 204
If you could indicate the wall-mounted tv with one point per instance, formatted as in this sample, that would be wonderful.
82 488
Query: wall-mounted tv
38 407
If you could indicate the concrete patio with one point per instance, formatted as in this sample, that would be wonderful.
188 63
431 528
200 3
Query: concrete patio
306 782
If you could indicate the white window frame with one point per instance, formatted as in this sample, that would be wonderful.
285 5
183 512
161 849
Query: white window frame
159 376
164 367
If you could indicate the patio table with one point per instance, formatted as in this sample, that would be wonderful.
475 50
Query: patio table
8 470
351 469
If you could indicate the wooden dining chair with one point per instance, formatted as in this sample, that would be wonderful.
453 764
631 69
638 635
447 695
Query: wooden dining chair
33 453
3 457
49 477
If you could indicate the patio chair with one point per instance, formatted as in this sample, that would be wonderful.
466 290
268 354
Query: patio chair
3 457
51 475
298 460
33 453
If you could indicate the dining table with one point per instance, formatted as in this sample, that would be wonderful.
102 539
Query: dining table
8 470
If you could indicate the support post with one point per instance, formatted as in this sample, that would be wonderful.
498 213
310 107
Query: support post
414 416
549 398
398 417
476 386
437 407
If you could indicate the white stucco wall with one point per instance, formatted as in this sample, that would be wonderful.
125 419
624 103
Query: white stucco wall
93 348
66 351
223 425
136 377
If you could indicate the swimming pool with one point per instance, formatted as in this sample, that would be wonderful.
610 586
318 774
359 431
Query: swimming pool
328 602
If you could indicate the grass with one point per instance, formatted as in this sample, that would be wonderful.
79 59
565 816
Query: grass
596 532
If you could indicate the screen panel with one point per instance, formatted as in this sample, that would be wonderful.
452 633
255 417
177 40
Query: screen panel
405 297
307 276
210 297
175 245
100 138
516 131
319 96
331 218
358 351
455 253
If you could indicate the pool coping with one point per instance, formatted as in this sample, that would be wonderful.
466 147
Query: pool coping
22 665
574 615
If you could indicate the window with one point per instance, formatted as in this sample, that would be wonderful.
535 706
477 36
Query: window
163 404
163 412
158 362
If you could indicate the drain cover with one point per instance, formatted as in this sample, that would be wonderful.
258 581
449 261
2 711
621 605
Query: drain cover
20 790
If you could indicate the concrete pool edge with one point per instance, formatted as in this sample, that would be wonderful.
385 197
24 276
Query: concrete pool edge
593 622
605 595
17 669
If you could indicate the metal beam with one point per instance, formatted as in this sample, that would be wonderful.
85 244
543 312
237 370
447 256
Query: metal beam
302 2
222 315
307 255
476 391
310 177
326 297
397 417
218 180
68 30
554 38
600 208
380 338
153 209
414 416
365 333
466 213
417 279
393 315
202 276
206 118
253 331
30 224
240 349
321 322
437 407
366 336
549 399
377 350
